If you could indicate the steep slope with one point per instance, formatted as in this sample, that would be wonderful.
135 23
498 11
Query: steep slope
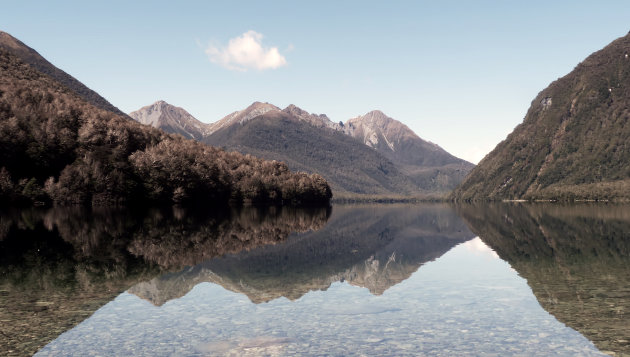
56 146
39 63
171 119
427 164
573 143
349 166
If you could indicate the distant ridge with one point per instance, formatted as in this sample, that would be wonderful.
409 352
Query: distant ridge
39 63
368 155
349 166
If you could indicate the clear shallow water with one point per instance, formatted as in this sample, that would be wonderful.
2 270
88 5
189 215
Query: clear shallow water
360 280
466 302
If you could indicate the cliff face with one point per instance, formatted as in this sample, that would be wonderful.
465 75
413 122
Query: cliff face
573 143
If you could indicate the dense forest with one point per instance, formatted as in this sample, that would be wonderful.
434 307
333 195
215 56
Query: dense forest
56 147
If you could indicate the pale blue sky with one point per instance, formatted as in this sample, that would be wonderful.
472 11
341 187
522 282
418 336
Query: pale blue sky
459 73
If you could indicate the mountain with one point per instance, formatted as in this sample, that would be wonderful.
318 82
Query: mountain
313 143
171 119
573 143
427 164
309 143
39 63
56 146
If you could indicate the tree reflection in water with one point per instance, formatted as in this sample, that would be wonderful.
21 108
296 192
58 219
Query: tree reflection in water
59 265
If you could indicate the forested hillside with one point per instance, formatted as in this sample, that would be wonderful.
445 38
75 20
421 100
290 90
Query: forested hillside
573 143
55 146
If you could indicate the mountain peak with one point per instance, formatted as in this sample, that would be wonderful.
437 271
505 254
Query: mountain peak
260 106
377 113
10 41
400 144
172 119
375 127
318 120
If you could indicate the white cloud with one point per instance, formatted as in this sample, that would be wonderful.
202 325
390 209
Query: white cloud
246 52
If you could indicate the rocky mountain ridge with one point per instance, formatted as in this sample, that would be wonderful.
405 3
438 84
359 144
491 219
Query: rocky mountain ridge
171 119
262 129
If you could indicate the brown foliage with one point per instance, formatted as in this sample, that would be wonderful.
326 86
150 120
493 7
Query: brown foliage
54 146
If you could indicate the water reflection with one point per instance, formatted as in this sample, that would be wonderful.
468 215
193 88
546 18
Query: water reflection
59 265
375 280
576 259
367 246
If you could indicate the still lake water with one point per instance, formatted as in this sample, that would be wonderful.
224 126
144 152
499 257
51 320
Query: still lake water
504 279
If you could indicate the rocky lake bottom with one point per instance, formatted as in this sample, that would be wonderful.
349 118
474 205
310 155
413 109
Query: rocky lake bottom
359 280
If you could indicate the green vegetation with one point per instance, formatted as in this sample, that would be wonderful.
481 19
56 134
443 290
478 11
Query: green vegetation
573 143
56 147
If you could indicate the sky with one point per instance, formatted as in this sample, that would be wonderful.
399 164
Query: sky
460 74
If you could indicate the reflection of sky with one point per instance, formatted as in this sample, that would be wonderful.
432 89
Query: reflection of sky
466 302
477 246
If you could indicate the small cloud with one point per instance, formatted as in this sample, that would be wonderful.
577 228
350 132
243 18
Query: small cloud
246 52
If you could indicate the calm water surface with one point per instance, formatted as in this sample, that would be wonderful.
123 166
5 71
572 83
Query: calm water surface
352 280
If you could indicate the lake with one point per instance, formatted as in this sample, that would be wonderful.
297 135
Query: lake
373 280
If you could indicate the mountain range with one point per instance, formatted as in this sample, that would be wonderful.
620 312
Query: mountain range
62 143
573 143
368 155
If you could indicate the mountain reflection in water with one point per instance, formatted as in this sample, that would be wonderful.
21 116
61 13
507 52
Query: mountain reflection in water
367 246
284 280
576 259
59 265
